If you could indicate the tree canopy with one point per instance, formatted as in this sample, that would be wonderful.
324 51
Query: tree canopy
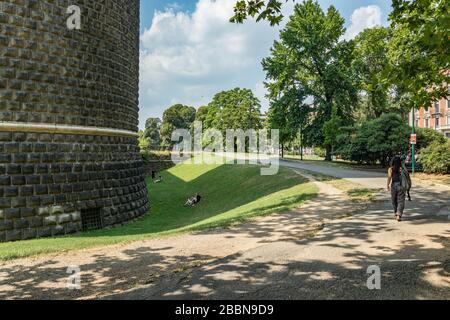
152 131
310 57
261 10
419 49
234 109
371 65
176 117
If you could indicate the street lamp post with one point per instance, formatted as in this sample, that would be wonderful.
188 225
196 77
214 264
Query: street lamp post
413 157
301 142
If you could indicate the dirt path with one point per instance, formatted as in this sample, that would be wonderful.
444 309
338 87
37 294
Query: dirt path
313 252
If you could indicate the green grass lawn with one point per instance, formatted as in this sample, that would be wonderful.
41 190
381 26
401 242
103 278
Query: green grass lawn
231 194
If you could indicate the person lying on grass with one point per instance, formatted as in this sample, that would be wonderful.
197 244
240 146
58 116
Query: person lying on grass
192 201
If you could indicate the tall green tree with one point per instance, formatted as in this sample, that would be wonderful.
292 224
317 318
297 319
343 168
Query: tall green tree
288 114
152 131
331 129
419 49
371 65
312 57
234 109
176 117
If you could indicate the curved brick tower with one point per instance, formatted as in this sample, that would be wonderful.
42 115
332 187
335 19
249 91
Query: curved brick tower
69 159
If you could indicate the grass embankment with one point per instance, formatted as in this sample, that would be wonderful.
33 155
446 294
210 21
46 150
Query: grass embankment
231 194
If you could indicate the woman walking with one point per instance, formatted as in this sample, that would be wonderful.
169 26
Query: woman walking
394 184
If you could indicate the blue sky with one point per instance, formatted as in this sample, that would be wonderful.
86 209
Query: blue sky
189 51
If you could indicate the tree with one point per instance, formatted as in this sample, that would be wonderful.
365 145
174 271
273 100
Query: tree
375 140
288 114
152 131
419 49
370 66
234 109
331 129
143 142
263 10
201 114
311 57
176 117
427 136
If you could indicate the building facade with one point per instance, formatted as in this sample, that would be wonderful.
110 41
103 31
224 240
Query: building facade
69 155
437 117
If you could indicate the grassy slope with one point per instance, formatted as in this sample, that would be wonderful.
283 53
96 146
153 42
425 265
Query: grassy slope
231 193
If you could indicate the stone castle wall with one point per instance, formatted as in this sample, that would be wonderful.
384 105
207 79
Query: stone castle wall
68 117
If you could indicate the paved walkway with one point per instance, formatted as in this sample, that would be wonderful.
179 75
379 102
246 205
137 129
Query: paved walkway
315 252
413 256
369 179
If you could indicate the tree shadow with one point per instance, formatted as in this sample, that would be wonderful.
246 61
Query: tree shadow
412 271
290 261
48 280
277 268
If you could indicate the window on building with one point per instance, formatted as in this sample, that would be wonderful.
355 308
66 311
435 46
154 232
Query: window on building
426 123
448 103
448 119
436 122
436 107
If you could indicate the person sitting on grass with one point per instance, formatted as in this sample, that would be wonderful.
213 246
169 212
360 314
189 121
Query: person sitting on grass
192 201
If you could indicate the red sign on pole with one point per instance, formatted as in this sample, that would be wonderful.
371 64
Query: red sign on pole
413 139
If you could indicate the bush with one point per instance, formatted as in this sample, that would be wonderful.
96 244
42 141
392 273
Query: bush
320 152
375 140
436 157
155 156
426 136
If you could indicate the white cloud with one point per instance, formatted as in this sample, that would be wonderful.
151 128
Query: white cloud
187 58
363 18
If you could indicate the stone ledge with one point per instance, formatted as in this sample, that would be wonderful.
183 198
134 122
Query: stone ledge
65 129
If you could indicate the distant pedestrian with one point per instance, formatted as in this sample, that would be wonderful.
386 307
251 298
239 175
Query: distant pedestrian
394 184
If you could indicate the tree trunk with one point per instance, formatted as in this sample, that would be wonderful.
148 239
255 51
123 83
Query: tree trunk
282 150
301 143
328 154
